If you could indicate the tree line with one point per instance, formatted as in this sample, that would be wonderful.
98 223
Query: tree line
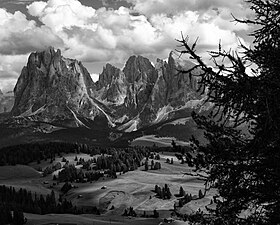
36 152
72 174
123 160
24 201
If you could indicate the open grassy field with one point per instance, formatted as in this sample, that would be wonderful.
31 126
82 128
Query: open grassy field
132 189
135 189
18 172
150 140
21 176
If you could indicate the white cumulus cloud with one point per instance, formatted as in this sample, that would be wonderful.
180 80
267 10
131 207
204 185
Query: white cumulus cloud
20 36
91 35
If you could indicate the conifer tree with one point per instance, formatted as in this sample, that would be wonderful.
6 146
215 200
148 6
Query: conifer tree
18 218
182 192
146 165
243 166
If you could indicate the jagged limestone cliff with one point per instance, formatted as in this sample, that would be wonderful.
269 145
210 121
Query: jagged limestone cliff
53 87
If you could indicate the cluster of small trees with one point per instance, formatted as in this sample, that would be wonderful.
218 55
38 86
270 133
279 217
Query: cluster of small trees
164 192
131 212
50 169
186 198
154 165
156 213
119 161
169 160
93 176
154 155
7 216
72 174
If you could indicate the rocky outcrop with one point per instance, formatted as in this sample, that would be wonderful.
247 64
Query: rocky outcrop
178 87
140 78
53 87
111 85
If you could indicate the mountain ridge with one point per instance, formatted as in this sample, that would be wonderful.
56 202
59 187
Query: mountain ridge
55 92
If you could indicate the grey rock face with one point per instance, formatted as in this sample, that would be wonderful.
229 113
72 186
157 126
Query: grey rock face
140 79
144 89
53 86
111 85
180 87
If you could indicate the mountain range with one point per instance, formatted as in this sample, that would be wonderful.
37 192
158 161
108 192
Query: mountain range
56 99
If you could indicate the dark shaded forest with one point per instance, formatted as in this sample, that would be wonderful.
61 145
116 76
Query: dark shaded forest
26 201
36 152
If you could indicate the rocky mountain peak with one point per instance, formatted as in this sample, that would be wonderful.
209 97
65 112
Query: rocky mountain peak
108 74
171 57
139 68
51 85
1 93
111 85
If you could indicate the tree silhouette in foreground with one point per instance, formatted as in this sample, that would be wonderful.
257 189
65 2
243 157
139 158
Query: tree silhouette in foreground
243 166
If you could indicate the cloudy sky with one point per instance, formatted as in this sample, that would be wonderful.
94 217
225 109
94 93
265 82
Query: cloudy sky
100 31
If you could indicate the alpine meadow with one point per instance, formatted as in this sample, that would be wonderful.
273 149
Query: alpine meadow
140 112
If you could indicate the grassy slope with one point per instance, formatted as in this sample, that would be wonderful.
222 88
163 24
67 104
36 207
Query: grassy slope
131 189
150 140
18 172
135 188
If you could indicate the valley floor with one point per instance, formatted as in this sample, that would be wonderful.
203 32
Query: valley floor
132 189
